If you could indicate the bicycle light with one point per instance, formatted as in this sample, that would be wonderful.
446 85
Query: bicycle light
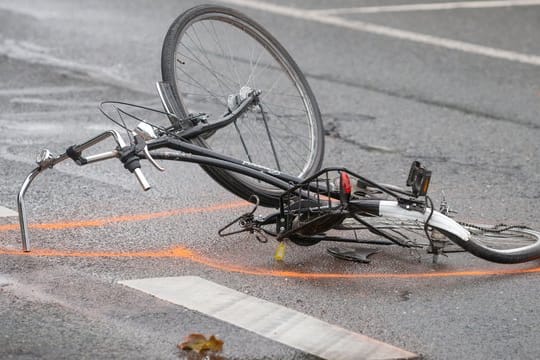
345 187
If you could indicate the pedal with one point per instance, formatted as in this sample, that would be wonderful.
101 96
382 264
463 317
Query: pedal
419 178
280 251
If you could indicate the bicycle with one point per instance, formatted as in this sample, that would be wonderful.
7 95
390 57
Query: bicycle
267 148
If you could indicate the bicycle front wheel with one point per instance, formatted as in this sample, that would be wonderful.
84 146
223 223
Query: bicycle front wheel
209 54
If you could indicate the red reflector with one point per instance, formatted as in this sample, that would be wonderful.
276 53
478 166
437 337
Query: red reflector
346 183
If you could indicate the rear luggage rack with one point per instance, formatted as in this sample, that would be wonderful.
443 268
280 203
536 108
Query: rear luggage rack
324 194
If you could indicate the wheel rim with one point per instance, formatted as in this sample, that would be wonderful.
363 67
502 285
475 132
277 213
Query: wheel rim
214 60
516 241
506 242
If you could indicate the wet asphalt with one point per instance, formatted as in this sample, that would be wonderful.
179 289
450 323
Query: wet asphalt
474 120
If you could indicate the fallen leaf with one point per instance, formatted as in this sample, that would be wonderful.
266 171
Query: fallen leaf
199 343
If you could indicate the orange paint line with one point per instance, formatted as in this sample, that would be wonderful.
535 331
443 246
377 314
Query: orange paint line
178 252
184 253
125 218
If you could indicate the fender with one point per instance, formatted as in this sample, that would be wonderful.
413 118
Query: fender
438 220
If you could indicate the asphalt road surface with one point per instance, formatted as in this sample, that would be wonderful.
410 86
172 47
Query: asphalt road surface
457 88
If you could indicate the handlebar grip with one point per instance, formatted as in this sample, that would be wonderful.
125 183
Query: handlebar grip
142 179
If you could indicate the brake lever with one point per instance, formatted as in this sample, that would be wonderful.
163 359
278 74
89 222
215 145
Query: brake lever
145 132
151 159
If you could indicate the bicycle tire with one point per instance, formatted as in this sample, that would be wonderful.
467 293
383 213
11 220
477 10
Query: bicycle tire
521 254
207 21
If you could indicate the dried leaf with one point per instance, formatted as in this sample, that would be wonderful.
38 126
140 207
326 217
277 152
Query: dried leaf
199 343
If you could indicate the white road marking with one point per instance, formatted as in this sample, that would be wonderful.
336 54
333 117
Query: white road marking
29 11
22 50
5 212
37 115
50 90
52 102
428 7
267 319
390 32
62 103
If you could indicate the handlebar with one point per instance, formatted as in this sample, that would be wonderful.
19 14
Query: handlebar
142 179
128 154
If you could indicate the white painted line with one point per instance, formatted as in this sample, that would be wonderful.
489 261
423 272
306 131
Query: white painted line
49 90
428 7
5 212
267 319
29 10
52 102
37 115
390 32
26 51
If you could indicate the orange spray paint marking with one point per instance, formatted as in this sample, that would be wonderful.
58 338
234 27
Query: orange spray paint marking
184 253
178 252
126 218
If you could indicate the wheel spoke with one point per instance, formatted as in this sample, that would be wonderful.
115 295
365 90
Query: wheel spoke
218 53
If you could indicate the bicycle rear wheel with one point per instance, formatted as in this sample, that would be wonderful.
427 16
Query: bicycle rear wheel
498 243
501 244
210 53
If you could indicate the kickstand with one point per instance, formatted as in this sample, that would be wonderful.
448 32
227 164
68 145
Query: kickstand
247 223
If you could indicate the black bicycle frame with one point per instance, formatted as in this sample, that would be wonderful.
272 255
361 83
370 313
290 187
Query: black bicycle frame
185 151
189 152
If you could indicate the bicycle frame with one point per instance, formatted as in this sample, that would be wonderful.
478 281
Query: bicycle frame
187 152
406 205
304 218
